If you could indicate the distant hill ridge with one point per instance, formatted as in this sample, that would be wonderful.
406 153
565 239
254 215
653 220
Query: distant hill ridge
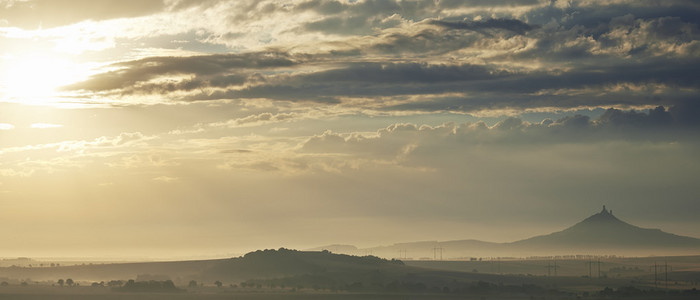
285 262
599 234
261 264
604 230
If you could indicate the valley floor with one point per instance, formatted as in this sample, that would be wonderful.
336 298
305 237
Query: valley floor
213 293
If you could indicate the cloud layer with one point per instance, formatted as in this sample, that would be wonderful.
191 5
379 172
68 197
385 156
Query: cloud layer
466 57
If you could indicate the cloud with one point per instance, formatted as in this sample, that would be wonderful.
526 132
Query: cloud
217 70
410 9
484 88
596 79
45 125
13 173
257 120
5 126
365 79
515 26
236 151
122 140
165 179
144 160
535 55
399 140
364 17
426 41
686 113
472 164
48 13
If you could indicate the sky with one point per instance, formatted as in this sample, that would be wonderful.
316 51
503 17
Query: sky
178 128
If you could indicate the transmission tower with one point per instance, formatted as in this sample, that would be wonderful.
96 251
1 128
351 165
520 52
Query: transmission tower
435 251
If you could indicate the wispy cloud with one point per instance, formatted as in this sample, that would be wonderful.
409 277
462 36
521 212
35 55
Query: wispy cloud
165 179
45 125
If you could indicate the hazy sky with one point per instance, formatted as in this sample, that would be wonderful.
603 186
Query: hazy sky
184 128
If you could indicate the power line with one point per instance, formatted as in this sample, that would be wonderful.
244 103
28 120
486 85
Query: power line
590 267
550 267
666 273
435 251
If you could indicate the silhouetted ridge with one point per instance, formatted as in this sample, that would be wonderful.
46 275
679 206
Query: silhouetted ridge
601 221
605 231
603 216
601 233
284 262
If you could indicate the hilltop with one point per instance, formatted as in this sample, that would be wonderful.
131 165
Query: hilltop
265 264
600 234
603 232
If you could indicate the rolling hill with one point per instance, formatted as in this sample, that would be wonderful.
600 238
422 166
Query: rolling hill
261 264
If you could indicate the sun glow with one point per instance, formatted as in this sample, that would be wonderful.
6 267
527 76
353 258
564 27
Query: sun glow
35 79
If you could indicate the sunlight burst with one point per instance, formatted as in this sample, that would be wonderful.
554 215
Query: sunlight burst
35 78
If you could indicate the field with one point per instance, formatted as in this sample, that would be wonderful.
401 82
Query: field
212 293
581 274
348 277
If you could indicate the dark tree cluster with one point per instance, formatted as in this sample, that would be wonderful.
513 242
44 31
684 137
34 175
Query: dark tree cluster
631 292
148 286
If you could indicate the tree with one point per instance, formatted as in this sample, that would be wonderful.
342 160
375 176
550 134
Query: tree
218 283
192 283
115 283
69 282
61 282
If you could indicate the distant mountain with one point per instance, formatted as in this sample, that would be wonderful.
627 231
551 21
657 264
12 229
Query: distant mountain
599 234
605 232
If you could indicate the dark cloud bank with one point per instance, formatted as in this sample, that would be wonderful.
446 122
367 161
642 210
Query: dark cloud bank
525 56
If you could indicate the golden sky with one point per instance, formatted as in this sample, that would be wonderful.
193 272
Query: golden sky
180 128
